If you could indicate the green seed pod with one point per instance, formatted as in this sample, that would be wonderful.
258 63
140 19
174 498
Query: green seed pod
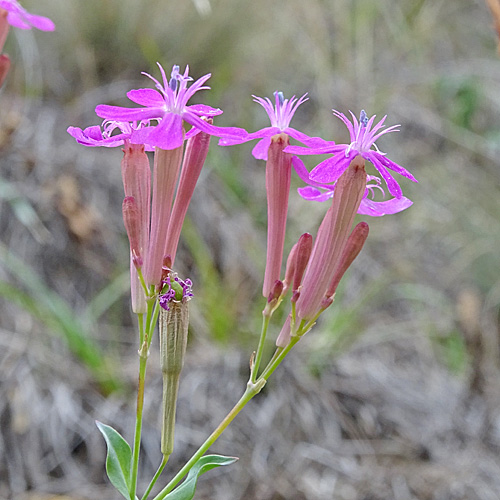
173 340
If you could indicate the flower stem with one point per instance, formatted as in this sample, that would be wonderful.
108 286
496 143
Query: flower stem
260 347
277 359
250 392
155 477
138 422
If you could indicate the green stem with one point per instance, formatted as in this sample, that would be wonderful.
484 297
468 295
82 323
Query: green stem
277 359
140 320
155 478
251 391
260 347
154 320
138 422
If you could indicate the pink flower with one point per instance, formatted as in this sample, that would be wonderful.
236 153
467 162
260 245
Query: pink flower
167 163
318 191
281 115
363 138
331 240
21 18
136 176
167 105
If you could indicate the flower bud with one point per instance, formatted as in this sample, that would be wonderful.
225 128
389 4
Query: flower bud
275 292
304 249
331 239
352 248
290 268
285 334
132 221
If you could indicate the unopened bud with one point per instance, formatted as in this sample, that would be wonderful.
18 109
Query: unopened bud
285 334
132 221
290 268
295 296
326 302
275 292
352 248
304 249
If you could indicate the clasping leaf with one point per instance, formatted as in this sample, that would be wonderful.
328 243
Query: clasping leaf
118 460
187 489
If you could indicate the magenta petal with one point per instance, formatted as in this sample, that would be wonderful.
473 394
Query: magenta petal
168 134
261 148
204 110
313 194
315 142
18 21
392 185
40 22
331 169
229 132
395 167
300 169
264 132
93 132
146 97
380 208
92 137
127 114
232 141
321 148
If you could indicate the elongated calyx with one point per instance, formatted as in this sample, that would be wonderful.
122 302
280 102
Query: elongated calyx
174 323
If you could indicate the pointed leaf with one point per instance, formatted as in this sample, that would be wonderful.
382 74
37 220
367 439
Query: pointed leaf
118 460
187 489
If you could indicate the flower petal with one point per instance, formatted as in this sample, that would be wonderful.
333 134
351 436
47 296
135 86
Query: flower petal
328 148
146 97
127 114
396 168
168 134
261 148
380 208
204 110
331 169
229 132
314 142
313 194
392 185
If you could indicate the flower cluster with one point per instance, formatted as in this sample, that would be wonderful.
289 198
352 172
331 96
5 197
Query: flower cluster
154 223
157 198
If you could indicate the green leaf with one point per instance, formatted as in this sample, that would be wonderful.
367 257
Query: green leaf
187 489
118 460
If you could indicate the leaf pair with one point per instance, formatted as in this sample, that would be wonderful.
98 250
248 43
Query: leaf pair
119 465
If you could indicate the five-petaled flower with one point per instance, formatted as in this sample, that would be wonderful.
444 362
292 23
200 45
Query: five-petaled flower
280 114
318 191
363 138
168 106
20 18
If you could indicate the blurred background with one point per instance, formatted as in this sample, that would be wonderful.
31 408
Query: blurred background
395 395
